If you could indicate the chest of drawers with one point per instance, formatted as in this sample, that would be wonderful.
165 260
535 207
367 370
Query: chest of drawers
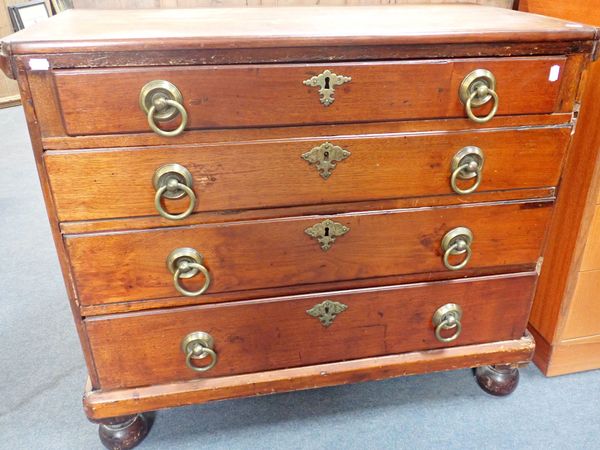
248 201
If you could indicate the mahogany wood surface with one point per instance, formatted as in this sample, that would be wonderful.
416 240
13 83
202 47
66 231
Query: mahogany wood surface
85 30
99 403
117 183
219 96
269 253
266 334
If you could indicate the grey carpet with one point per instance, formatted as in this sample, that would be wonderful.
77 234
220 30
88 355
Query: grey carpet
42 373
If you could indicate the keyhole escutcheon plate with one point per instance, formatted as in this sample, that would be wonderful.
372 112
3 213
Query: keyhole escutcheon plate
325 157
326 232
326 83
326 311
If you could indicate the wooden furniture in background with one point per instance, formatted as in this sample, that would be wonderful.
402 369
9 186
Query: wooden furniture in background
341 211
566 312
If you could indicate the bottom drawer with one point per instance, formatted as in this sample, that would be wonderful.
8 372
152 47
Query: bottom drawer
139 349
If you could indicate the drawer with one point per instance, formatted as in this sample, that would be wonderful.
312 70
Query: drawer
240 256
145 348
106 101
104 184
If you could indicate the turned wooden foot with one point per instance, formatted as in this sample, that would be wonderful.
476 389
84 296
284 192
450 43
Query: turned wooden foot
125 432
497 380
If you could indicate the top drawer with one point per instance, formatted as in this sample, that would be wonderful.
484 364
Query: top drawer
106 101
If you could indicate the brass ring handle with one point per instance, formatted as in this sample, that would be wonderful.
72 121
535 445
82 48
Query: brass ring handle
191 354
174 104
186 266
457 248
173 185
448 323
199 345
457 172
482 92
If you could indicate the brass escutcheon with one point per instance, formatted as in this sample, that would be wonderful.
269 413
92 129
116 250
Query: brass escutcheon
325 82
326 311
445 318
198 345
324 157
326 232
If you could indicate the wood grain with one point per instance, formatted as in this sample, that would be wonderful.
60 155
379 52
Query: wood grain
268 334
269 253
117 183
101 404
218 96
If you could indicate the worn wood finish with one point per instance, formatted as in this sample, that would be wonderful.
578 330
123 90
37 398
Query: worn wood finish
216 96
114 184
268 334
271 253
85 30
100 403
562 308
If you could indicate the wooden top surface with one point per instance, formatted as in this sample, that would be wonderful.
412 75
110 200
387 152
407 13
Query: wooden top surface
98 30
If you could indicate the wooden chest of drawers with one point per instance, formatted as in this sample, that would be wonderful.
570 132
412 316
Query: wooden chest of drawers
253 201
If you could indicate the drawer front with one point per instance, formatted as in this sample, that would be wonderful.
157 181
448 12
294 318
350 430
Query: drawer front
106 101
240 256
251 336
118 183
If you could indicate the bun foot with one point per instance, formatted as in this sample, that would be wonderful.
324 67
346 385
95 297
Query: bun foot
125 432
497 380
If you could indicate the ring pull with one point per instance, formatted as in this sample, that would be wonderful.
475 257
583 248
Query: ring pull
448 317
457 242
162 101
199 345
185 263
477 89
467 164
173 181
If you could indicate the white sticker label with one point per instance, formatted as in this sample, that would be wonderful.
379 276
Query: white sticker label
39 64
554 73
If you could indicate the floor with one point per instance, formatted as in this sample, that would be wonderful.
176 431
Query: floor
42 373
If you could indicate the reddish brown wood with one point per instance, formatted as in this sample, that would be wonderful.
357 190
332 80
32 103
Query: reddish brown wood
271 253
124 432
84 30
497 380
100 403
379 91
113 184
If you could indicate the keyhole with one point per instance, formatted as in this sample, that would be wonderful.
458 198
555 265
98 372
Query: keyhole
326 156
326 82
327 310
326 231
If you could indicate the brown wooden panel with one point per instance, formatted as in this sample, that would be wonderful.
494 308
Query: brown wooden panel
277 333
591 253
112 184
269 253
222 96
584 307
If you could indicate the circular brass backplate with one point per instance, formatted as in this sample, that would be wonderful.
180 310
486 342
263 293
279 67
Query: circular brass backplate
472 82
184 254
465 156
197 337
443 311
157 89
452 236
164 173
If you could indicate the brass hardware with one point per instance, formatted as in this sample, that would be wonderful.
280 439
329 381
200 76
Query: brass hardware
199 345
477 89
457 242
162 101
185 263
467 164
173 181
325 82
326 232
326 311
325 157
447 317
